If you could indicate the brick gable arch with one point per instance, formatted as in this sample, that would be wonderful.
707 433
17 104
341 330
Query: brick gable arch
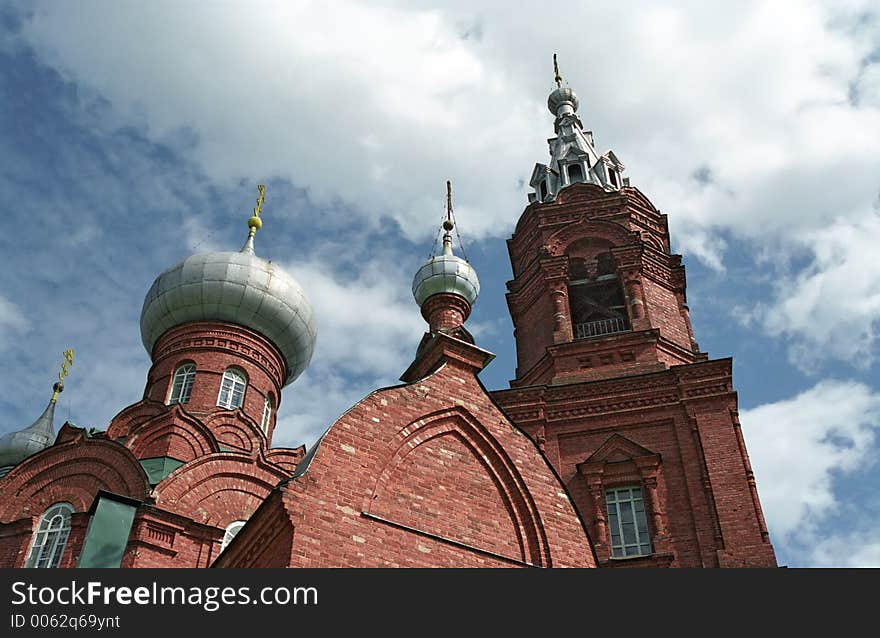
559 243
132 416
235 428
173 433
72 472
473 495
219 488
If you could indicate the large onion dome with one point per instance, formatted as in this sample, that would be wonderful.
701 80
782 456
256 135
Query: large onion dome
238 288
446 273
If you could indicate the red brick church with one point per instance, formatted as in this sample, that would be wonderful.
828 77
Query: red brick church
617 445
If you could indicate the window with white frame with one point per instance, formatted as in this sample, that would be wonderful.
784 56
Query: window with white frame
182 383
627 522
232 389
267 414
231 530
50 539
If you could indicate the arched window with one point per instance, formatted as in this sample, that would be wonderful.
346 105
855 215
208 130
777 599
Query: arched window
232 389
267 414
50 538
575 174
231 530
181 385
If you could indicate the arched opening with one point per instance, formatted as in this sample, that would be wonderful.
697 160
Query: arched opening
597 302
50 539
182 383
268 407
575 173
232 531
232 389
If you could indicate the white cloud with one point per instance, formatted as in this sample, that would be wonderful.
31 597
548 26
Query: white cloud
831 307
12 322
800 447
856 549
374 106
368 329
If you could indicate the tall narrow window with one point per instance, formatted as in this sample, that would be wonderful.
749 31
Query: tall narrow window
627 522
612 176
575 174
50 538
267 414
232 389
182 384
544 190
231 531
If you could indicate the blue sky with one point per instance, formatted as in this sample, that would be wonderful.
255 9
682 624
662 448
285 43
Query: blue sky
134 134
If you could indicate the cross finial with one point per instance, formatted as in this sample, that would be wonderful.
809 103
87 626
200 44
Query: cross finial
448 200
255 223
558 77
59 386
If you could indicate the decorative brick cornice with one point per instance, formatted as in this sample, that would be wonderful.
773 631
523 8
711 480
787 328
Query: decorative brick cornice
237 340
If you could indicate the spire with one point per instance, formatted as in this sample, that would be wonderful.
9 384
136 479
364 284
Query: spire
449 222
17 446
558 77
255 223
573 157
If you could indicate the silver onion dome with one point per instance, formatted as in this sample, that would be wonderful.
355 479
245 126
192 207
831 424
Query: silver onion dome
446 273
17 446
238 288
560 96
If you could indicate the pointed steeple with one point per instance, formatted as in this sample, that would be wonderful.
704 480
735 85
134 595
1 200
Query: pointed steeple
17 446
573 157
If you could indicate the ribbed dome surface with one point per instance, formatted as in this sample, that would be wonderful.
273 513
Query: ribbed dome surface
446 273
560 96
238 288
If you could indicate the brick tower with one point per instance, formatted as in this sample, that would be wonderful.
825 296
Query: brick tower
640 424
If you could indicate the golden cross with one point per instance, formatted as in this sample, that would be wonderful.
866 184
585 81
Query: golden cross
260 200
68 361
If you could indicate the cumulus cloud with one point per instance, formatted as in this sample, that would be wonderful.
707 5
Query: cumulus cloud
800 448
831 307
368 330
12 322
373 106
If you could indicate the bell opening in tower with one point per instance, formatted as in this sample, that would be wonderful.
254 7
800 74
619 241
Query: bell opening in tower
596 300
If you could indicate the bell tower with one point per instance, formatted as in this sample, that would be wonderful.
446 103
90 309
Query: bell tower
610 381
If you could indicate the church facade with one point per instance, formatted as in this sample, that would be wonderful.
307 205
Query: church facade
617 445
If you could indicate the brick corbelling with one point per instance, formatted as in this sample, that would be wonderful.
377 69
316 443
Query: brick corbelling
669 381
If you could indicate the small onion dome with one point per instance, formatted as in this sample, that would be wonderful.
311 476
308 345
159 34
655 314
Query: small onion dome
446 273
559 97
238 288
15 447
